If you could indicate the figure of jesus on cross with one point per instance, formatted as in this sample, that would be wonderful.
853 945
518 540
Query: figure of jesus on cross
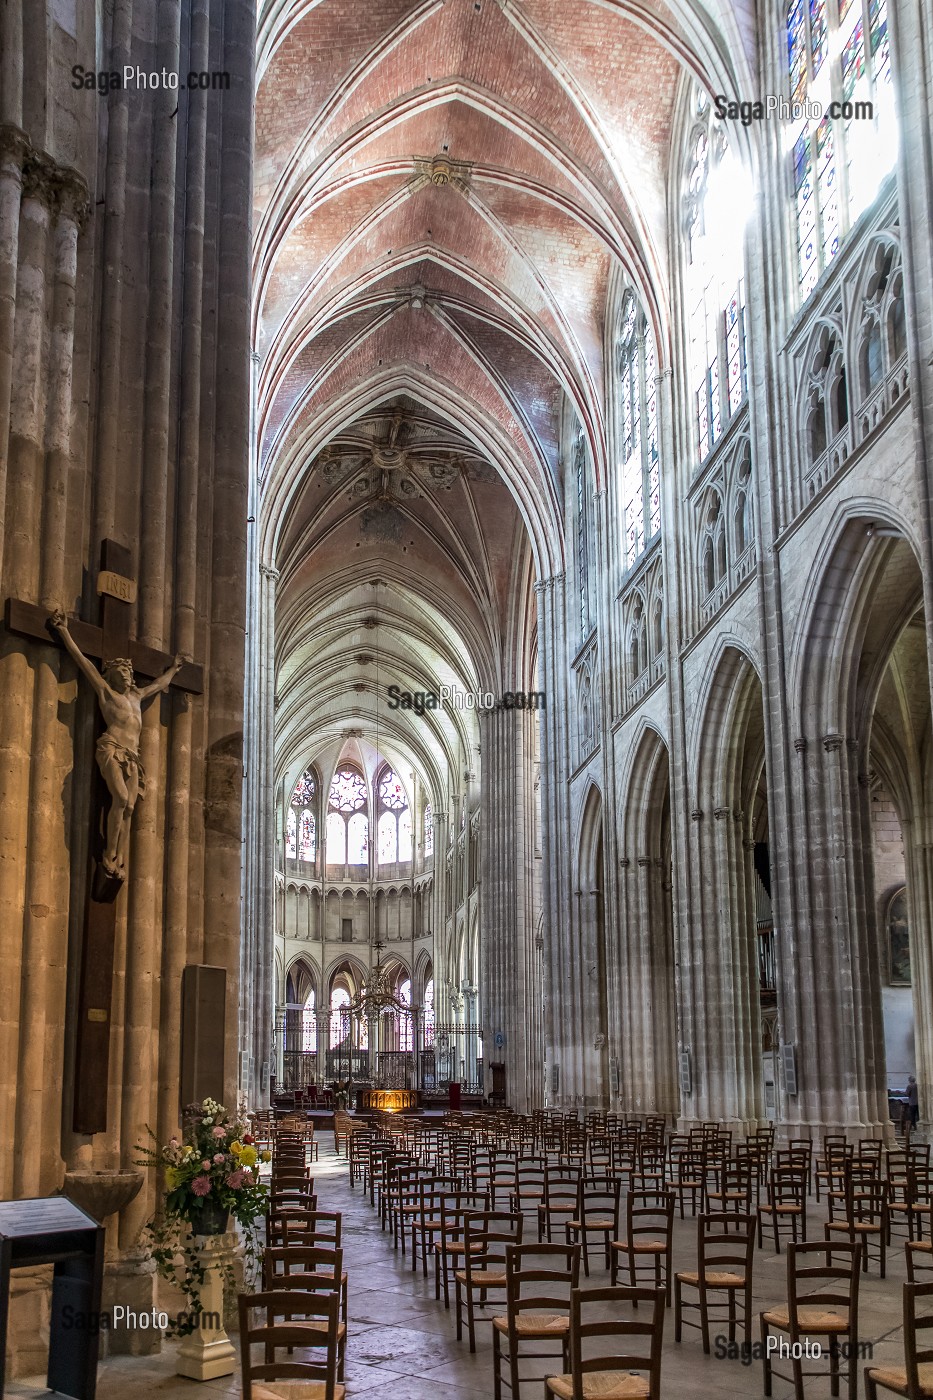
121 703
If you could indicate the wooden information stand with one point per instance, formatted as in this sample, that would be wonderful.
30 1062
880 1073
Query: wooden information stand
52 1230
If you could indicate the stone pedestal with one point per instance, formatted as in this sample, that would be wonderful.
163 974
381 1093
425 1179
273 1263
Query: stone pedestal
207 1352
130 1285
28 1324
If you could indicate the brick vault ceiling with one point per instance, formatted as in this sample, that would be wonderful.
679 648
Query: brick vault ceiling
444 191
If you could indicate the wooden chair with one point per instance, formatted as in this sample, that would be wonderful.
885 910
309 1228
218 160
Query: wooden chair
486 1234
538 1283
426 1224
597 1211
915 1378
609 1374
307 1267
725 1250
731 1187
280 1222
529 1184
649 1232
449 1246
294 1320
689 1180
786 1205
919 1256
825 1306
560 1198
865 1218
836 1152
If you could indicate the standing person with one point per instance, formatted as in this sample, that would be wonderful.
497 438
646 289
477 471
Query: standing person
913 1101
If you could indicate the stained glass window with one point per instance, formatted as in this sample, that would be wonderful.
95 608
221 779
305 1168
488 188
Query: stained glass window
583 533
347 791
339 1017
309 1026
838 58
358 839
716 208
300 821
428 831
347 828
393 831
638 408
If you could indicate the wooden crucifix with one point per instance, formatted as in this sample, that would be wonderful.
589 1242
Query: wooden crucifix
120 777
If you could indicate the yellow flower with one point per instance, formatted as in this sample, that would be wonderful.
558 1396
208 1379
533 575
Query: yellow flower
247 1156
189 1150
266 1155
236 1148
171 1178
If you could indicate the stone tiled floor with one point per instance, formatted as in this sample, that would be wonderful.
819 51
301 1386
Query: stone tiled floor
403 1346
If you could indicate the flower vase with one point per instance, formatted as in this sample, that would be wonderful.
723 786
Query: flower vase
211 1219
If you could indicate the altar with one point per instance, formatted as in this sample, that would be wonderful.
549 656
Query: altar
389 1100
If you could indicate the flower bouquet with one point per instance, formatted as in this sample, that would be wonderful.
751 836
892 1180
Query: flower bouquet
211 1173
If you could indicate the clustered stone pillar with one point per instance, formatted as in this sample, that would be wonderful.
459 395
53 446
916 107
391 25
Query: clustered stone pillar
506 894
126 418
831 1011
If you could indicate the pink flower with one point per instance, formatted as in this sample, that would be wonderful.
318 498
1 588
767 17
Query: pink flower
219 1132
173 1142
205 1165
201 1185
235 1179
218 1157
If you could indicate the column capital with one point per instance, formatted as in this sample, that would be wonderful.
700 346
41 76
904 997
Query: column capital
270 572
832 742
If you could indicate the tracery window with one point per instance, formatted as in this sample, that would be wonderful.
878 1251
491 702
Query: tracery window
347 819
827 395
898 931
394 822
404 1022
428 830
839 60
716 207
339 1016
427 1013
638 431
301 821
583 532
714 545
309 1025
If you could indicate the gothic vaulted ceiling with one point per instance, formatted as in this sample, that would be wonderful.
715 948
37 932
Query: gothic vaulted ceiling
444 191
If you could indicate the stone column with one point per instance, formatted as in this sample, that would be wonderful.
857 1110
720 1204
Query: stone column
832 1013
508 953
563 1011
260 824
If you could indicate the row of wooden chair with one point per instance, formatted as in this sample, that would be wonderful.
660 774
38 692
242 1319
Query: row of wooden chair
303 1303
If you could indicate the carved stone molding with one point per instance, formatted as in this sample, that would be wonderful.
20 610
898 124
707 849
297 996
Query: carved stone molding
60 188
14 147
833 742
721 812
800 744
697 814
